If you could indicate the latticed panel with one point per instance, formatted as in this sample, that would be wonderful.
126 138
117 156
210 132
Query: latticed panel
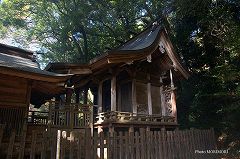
167 100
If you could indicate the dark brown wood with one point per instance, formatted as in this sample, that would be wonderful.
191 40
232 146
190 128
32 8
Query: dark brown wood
11 146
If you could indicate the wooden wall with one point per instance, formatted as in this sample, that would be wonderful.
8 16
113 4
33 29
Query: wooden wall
14 99
126 97
156 100
141 95
13 91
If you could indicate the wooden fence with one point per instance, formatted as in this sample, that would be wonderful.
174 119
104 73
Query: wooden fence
79 144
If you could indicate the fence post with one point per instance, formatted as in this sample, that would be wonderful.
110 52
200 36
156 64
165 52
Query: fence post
33 144
11 145
2 127
101 145
43 144
23 140
143 143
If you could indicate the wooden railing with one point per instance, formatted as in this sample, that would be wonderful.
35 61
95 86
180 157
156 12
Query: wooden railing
70 115
62 115
115 116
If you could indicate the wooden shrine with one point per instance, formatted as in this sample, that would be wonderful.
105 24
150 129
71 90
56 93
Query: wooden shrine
132 86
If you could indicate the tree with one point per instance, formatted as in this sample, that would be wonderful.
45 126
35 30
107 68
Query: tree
76 30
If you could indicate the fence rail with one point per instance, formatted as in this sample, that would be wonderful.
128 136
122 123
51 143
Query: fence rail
117 145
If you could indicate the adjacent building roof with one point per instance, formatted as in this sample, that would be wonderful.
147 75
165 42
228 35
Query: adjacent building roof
15 62
23 62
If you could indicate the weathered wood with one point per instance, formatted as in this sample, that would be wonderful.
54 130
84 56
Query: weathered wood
143 143
43 144
120 145
146 145
33 145
126 136
54 143
137 145
101 145
58 144
134 96
113 94
11 146
23 141
88 144
100 97
149 94
2 127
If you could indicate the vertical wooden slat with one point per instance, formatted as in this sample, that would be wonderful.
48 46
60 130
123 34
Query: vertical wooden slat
11 146
71 145
59 133
23 140
131 144
137 145
164 143
88 143
43 144
54 143
160 144
79 147
33 145
120 145
114 152
168 145
2 127
95 145
143 143
101 145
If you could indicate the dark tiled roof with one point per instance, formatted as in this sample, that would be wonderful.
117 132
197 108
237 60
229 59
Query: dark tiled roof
143 40
23 64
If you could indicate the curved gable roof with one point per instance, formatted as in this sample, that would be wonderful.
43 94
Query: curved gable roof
139 47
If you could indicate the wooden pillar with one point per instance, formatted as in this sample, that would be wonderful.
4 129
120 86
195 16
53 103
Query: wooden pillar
69 93
134 97
163 106
77 92
85 95
24 129
119 102
149 95
100 97
173 97
113 94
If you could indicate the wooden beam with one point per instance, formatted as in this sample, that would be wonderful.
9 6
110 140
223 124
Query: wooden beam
113 94
100 97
